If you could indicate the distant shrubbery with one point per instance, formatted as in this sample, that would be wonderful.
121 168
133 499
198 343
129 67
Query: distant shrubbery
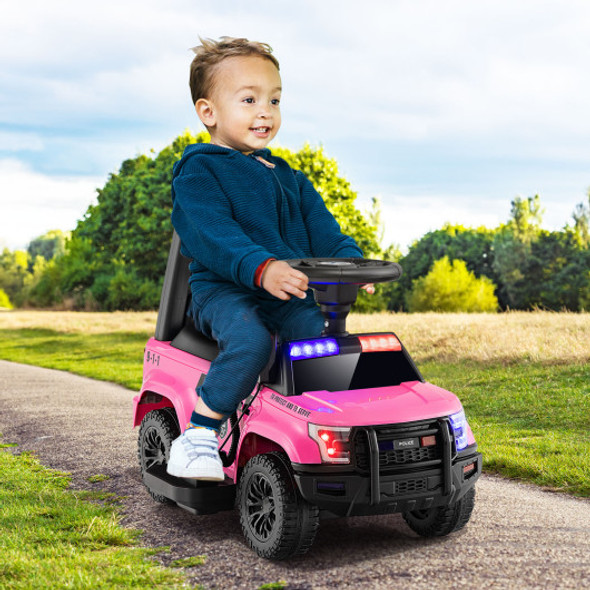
115 258
21 271
4 300
449 286
529 266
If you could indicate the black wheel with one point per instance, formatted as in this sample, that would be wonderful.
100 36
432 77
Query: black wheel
277 522
158 429
443 520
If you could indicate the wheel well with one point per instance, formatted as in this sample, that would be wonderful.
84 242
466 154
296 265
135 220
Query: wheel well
255 444
150 400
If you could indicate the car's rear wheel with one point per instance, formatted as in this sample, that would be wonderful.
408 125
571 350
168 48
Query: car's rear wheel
442 520
158 429
277 522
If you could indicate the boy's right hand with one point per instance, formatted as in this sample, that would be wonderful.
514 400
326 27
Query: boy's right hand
282 281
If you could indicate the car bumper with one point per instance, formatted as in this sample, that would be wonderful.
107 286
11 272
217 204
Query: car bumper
350 493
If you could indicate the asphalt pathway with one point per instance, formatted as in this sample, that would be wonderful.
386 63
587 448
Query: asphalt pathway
519 536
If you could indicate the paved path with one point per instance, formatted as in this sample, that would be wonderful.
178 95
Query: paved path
518 537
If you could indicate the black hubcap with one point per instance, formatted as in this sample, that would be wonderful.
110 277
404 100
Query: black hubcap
154 451
260 503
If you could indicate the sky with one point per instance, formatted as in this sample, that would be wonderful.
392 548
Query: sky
446 111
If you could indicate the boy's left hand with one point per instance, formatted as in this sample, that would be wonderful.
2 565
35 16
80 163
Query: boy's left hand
369 288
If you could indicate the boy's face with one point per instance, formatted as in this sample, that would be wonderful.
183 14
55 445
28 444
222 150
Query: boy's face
243 112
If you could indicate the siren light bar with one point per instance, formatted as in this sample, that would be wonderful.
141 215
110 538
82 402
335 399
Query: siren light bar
379 343
310 349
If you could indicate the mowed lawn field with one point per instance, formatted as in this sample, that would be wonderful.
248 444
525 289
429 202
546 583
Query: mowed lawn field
524 378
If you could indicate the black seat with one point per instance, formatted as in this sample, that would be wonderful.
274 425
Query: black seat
173 324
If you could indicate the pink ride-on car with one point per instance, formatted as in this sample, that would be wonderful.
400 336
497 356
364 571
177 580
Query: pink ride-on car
342 425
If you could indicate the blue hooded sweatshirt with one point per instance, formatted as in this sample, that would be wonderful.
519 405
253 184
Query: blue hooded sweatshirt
234 211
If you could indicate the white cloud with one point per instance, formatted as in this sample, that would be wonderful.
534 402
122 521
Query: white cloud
15 141
406 70
407 217
456 70
33 203
87 85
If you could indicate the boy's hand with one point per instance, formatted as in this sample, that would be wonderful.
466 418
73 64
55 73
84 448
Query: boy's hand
282 281
369 288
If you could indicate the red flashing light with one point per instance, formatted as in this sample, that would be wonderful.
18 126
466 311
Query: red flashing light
379 343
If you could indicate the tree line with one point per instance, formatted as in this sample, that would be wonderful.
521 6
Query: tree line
115 257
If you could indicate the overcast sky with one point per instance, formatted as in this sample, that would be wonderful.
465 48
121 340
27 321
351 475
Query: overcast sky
445 110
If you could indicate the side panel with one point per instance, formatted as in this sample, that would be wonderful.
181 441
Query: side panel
283 428
172 374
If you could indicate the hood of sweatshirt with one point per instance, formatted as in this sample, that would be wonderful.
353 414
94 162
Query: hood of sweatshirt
212 149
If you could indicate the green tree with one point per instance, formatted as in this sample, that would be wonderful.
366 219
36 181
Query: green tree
513 251
117 254
451 287
526 217
14 274
557 271
474 246
49 245
581 229
540 268
45 290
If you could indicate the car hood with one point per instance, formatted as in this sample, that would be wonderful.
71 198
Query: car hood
407 402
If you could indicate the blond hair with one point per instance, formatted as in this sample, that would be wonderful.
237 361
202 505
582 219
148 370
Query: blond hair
210 53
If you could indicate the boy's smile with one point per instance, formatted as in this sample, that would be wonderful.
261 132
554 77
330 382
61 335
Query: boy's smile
243 111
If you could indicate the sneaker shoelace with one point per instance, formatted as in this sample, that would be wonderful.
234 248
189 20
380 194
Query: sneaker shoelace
200 447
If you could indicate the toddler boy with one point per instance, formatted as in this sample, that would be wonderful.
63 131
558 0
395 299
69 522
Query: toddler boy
240 213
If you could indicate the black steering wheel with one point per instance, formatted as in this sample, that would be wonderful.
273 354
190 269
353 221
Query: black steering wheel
336 281
347 271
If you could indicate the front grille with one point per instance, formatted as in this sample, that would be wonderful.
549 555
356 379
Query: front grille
410 486
408 456
391 459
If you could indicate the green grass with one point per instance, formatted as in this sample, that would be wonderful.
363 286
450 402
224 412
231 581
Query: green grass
194 561
115 357
530 419
51 538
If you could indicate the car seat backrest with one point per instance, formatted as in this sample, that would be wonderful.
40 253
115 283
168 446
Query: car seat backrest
173 324
175 294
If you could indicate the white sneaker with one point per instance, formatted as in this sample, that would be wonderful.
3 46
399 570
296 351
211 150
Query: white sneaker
194 455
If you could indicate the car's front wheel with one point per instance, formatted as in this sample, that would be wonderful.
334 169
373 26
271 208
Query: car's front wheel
442 520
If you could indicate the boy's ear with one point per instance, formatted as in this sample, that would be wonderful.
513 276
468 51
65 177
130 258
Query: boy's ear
205 112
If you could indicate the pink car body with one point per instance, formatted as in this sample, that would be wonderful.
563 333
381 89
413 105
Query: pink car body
277 422
341 425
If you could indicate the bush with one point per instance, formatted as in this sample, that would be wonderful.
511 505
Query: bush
4 300
450 287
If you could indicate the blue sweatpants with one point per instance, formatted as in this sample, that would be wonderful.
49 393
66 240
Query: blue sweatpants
242 325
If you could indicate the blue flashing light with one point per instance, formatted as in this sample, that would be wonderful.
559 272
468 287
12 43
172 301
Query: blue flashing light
311 349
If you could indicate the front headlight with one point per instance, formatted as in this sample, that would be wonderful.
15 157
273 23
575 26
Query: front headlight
459 424
333 442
